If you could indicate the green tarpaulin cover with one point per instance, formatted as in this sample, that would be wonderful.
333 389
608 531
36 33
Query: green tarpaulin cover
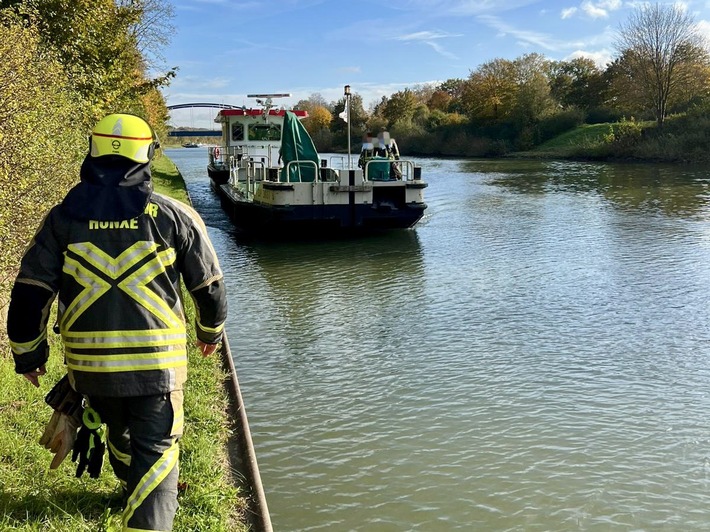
297 145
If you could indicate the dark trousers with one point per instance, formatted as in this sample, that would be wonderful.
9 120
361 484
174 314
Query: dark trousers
142 440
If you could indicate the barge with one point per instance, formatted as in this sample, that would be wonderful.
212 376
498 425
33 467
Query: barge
270 179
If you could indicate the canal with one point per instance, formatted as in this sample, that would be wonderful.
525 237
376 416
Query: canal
535 355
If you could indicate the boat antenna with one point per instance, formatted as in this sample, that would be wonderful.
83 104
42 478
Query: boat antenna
267 101
347 116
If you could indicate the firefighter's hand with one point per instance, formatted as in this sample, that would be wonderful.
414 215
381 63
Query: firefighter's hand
33 376
206 349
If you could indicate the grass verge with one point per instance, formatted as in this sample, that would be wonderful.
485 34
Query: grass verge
33 498
583 141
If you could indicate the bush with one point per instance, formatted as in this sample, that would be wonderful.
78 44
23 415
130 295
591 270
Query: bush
625 136
42 137
602 115
557 124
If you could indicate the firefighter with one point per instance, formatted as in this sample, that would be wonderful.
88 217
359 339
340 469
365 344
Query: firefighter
113 252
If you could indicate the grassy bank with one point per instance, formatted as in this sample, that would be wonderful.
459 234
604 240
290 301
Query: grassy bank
34 498
683 139
583 141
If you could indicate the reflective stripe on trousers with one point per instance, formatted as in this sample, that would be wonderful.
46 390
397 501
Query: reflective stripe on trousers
143 434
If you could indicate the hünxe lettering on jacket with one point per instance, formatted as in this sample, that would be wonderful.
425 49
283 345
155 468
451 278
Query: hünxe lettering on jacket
151 210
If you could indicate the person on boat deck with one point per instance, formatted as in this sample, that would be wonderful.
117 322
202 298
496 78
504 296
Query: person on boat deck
368 150
114 252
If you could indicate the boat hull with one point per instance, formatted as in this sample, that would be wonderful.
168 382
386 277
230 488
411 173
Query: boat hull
218 173
315 220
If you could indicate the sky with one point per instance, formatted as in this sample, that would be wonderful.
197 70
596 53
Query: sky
227 49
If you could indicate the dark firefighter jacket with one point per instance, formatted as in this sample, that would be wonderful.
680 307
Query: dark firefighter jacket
114 252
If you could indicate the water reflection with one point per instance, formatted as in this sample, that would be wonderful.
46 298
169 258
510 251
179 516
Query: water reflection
318 288
652 188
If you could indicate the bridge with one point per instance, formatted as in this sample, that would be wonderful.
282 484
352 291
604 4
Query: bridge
213 105
201 133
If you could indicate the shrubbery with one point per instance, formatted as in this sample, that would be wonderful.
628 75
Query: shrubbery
42 137
59 73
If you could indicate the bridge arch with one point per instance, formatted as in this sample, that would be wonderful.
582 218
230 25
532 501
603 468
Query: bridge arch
213 105
212 133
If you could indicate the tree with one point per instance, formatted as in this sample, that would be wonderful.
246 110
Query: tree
319 115
152 28
577 82
358 119
100 44
313 101
489 93
658 44
400 107
32 177
439 101
454 87
532 99
318 118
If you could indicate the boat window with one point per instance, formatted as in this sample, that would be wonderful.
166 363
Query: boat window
264 132
237 131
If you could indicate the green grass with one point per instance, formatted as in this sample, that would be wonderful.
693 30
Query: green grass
578 142
33 498
585 135
167 179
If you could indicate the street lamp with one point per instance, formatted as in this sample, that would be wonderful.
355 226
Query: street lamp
347 118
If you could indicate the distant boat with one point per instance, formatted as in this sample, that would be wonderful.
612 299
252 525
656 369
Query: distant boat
271 180
190 145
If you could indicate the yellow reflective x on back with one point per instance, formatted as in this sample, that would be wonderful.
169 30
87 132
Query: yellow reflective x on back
108 270
131 271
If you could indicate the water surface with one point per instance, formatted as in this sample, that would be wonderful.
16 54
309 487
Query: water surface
533 356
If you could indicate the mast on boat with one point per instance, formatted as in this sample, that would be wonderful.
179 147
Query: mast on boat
347 118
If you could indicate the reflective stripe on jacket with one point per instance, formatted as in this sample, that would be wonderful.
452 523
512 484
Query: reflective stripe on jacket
120 313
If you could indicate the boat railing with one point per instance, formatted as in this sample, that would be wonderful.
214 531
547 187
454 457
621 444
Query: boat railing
297 165
247 171
256 171
218 155
383 169
341 160
267 152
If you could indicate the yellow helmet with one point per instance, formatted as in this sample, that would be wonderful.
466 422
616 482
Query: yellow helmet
125 135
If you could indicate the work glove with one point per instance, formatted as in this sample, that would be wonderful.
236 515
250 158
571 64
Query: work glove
59 437
89 449
61 432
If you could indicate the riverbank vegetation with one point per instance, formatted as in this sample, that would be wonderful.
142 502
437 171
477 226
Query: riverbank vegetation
652 102
63 65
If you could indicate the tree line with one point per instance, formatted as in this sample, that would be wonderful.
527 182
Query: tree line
662 70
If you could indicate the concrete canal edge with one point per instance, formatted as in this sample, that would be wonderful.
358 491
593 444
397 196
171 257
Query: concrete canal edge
242 456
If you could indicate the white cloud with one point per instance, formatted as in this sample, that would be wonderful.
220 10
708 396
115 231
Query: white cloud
594 11
601 58
429 38
568 12
424 36
703 27
526 37
350 70
458 7
600 9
